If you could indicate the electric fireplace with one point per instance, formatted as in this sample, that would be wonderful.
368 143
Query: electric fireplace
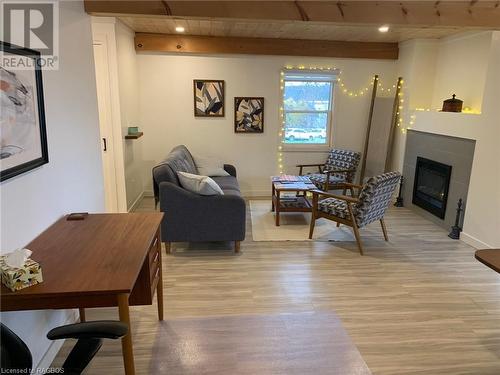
430 190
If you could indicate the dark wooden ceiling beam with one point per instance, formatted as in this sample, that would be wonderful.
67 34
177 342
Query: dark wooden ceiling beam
263 46
481 14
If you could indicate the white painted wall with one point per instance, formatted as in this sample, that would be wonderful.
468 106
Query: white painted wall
72 180
166 108
460 69
128 79
468 64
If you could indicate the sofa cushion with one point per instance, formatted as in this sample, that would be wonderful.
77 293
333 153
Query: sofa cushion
227 182
208 166
236 193
202 185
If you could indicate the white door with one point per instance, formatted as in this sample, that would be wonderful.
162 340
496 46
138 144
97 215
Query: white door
105 124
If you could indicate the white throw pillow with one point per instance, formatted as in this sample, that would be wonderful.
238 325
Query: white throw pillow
202 185
208 166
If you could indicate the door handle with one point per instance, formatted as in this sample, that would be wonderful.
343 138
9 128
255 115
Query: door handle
105 144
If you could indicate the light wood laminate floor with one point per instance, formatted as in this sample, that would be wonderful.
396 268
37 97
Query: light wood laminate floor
419 304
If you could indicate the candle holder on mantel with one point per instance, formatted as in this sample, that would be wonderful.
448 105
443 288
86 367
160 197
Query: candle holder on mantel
399 199
455 230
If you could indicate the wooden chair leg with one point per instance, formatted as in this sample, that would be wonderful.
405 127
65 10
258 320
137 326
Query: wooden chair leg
384 229
355 228
237 246
358 237
338 224
168 247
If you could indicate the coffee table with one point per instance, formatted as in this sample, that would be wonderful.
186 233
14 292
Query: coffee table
297 203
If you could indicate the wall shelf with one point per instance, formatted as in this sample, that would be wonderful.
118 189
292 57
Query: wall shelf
134 136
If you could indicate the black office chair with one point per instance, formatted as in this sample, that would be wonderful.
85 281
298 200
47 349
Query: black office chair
16 356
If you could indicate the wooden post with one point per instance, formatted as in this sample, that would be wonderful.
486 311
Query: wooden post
395 118
368 129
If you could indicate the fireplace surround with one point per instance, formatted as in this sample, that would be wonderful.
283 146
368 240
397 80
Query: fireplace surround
431 186
450 151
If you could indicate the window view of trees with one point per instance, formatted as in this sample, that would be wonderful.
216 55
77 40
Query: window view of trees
306 109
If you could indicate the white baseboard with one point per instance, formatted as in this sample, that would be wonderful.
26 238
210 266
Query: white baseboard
136 202
474 242
56 345
148 193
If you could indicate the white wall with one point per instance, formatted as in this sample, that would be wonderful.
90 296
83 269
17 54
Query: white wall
128 80
466 64
166 107
72 180
461 67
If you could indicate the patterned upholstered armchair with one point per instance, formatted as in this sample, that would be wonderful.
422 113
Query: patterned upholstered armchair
340 167
371 204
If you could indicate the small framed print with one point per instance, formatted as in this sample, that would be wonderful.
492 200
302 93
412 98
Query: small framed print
208 98
249 115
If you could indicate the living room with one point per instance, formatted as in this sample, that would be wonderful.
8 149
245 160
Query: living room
274 156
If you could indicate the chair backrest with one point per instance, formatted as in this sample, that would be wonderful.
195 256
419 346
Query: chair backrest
339 159
14 355
178 160
375 197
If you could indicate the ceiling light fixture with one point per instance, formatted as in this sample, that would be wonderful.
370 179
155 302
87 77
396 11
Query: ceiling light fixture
179 29
383 28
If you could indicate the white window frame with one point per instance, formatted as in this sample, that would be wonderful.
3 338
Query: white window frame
310 76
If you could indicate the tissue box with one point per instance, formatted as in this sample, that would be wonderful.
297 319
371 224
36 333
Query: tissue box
19 278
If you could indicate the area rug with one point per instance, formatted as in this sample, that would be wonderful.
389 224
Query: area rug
294 226
291 344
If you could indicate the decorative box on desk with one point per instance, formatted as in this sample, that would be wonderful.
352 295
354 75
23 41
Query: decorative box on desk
19 278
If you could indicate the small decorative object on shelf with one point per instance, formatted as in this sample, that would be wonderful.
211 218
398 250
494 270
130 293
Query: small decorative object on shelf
399 199
133 130
455 230
453 104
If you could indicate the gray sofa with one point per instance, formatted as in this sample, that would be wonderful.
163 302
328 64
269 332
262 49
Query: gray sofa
190 217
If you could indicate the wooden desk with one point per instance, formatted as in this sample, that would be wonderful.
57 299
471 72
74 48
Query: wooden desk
103 261
490 258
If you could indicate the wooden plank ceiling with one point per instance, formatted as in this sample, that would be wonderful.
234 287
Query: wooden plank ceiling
347 21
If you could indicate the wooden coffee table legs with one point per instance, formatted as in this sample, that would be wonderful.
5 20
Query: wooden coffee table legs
277 208
127 350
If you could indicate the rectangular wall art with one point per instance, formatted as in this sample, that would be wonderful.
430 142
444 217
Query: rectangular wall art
249 115
23 138
208 98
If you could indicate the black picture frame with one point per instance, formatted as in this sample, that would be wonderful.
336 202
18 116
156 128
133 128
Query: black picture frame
239 121
40 110
219 88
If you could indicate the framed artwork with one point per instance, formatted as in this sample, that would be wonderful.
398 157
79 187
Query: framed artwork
208 98
249 115
23 137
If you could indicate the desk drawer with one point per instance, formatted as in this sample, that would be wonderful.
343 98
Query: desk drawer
154 264
154 281
154 248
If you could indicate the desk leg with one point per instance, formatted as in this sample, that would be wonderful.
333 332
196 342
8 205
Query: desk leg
82 314
127 351
159 288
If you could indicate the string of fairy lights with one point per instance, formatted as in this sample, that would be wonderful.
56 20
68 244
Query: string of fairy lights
405 117
346 90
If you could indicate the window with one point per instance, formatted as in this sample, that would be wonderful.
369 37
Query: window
307 107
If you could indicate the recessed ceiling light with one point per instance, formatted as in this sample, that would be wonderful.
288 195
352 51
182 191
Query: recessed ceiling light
179 29
383 28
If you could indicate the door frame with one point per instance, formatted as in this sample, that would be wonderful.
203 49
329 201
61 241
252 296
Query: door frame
103 31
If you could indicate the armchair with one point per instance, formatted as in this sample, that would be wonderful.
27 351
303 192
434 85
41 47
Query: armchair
374 199
339 168
16 357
